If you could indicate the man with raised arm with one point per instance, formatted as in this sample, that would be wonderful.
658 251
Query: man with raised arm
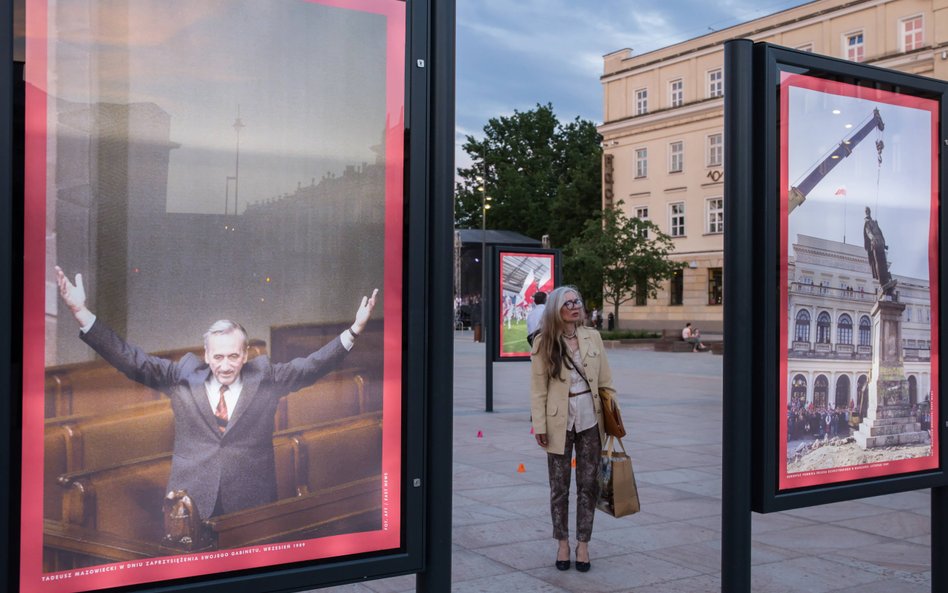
223 405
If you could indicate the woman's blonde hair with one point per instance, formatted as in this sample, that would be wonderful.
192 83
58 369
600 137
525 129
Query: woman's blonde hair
552 348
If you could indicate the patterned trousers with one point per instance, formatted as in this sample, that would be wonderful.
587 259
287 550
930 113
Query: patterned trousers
588 450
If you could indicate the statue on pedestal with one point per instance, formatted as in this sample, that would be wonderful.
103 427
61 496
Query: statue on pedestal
876 248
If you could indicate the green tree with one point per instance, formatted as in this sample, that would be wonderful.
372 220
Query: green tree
542 177
624 256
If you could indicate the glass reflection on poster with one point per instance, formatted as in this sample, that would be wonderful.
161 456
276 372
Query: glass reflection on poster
859 279
522 275
214 192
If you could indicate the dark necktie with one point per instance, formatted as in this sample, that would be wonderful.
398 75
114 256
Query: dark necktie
221 411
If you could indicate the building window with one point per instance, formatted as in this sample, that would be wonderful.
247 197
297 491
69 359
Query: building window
641 162
844 329
806 47
677 288
676 222
676 157
912 34
715 215
641 212
854 48
676 93
801 330
641 293
715 286
641 102
715 150
823 328
716 83
865 330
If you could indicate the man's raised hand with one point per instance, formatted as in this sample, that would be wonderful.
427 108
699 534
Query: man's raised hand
364 312
74 295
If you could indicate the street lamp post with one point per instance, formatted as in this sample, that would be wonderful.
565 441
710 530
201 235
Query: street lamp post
485 206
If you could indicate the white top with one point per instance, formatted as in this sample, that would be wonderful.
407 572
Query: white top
533 318
582 412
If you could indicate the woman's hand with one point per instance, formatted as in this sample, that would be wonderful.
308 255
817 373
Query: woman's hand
542 440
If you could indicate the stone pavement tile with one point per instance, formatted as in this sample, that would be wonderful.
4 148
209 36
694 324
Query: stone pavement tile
615 574
898 524
527 555
470 477
710 487
887 586
478 514
818 539
653 493
764 554
837 511
903 501
641 538
668 476
808 574
687 508
710 522
467 565
895 555
402 584
762 523
703 557
518 581
473 537
705 583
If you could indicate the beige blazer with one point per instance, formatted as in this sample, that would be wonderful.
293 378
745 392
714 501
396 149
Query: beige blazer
549 398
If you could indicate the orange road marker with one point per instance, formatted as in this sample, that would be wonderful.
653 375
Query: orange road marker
521 469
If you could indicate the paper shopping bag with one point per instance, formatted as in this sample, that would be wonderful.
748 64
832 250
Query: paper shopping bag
618 495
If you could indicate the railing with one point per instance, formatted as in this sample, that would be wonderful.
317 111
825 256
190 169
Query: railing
847 294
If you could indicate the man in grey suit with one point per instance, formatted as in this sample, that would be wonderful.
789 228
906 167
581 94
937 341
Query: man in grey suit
223 405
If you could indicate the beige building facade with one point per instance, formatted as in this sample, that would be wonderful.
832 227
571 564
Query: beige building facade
663 129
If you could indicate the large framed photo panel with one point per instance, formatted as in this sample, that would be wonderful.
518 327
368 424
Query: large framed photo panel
850 217
520 275
215 278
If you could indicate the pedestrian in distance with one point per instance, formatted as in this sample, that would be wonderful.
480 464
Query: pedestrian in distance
568 367
693 336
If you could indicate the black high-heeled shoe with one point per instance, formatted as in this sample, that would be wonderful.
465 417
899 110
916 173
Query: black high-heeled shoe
562 564
582 566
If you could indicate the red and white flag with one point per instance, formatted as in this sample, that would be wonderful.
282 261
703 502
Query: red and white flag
841 191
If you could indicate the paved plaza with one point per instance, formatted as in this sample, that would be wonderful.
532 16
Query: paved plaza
671 402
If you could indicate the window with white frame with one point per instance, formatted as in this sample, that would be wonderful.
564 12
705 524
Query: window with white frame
676 93
716 83
676 219
641 162
641 212
805 47
911 33
676 157
715 207
854 48
715 150
641 101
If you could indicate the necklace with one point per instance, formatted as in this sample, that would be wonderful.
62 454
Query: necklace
570 336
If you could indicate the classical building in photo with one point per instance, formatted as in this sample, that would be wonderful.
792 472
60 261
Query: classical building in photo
663 130
829 325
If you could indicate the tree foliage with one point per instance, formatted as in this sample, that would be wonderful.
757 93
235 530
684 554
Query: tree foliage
542 177
624 256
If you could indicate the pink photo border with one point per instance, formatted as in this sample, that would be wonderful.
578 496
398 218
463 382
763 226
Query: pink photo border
787 481
32 578
500 302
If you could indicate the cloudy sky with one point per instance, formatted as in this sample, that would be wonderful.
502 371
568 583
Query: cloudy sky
513 55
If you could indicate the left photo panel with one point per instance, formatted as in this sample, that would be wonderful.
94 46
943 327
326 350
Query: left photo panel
213 287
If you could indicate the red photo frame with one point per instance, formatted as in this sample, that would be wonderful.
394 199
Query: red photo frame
825 161
40 184
520 276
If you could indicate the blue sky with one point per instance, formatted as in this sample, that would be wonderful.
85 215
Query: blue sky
513 55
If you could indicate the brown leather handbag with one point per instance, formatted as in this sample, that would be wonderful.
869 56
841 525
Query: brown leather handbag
611 416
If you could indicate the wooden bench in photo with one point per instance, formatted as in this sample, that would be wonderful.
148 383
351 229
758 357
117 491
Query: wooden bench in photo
339 394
